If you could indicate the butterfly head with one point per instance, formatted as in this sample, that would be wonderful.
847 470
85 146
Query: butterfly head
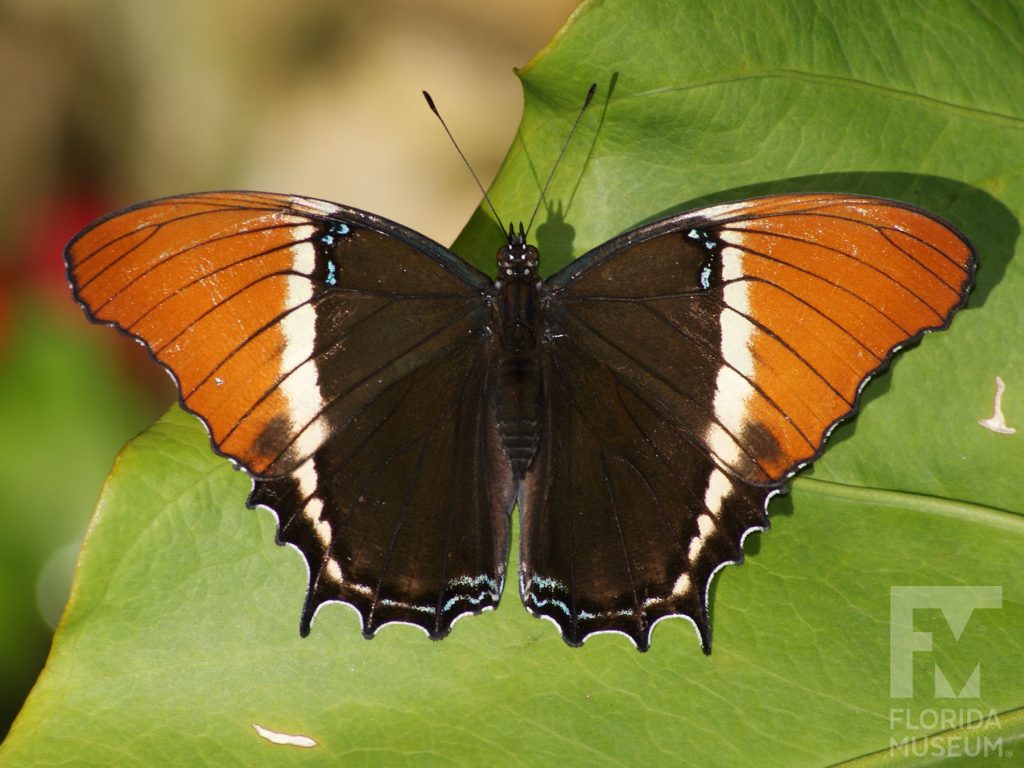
516 259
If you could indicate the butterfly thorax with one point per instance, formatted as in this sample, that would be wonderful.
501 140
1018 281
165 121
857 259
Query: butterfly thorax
518 384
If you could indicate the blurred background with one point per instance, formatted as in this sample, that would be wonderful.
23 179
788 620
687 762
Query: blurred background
108 102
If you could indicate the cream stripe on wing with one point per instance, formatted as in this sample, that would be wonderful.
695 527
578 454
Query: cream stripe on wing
731 404
300 382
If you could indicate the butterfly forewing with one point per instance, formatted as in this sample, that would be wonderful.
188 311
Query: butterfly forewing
693 365
342 360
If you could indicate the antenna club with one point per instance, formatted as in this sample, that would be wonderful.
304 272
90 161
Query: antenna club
480 186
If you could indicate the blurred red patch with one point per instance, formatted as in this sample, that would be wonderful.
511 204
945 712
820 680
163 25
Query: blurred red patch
54 222
51 225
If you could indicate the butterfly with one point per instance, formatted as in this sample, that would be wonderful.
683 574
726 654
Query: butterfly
641 406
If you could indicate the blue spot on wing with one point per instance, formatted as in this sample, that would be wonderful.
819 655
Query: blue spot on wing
337 229
705 277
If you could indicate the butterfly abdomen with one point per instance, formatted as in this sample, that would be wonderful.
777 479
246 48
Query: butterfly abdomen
518 410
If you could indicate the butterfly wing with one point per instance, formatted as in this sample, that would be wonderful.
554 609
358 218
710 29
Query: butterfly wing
342 360
693 365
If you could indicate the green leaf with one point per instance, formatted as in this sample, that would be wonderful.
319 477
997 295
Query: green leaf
182 629
65 408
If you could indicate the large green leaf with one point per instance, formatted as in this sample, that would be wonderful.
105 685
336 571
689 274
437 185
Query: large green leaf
182 629
65 408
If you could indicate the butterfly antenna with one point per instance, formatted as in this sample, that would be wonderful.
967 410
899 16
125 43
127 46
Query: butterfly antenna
433 108
565 146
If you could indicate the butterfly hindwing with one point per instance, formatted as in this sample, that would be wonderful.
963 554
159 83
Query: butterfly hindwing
403 512
626 517
342 360
697 363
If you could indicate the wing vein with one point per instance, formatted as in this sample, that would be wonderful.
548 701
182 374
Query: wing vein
710 417
373 372
169 258
410 488
848 256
